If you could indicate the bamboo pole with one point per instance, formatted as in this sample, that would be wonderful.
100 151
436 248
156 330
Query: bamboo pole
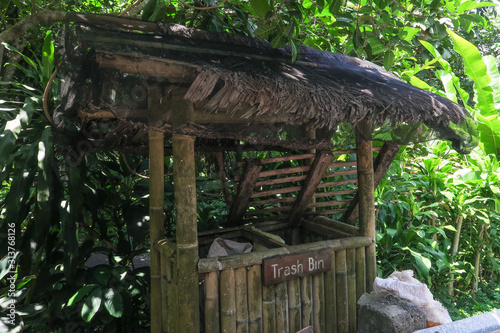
165 290
212 314
360 272
156 196
294 307
227 301
240 277
306 300
306 290
186 233
342 293
268 309
351 288
330 299
318 281
366 196
254 299
282 307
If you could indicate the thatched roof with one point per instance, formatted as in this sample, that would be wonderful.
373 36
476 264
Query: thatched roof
242 81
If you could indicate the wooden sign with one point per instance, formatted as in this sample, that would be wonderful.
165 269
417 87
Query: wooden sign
285 267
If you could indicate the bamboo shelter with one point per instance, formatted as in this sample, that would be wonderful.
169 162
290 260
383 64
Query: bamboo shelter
147 88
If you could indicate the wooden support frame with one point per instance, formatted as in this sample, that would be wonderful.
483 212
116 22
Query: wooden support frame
188 315
240 204
314 176
156 197
382 163
366 196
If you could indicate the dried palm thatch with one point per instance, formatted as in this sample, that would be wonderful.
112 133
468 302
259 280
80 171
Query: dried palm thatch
242 81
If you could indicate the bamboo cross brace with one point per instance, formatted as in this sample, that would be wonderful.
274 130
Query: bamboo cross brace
314 176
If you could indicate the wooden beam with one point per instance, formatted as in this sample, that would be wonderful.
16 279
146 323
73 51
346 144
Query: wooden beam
245 190
175 71
381 165
156 196
314 176
188 314
366 195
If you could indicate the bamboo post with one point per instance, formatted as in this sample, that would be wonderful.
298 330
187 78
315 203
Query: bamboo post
240 277
212 316
268 309
330 299
156 194
306 292
255 299
188 313
360 272
294 307
318 282
282 307
366 196
341 288
351 288
227 301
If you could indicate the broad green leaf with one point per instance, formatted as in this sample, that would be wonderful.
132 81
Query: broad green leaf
5 265
489 131
82 292
389 60
47 57
113 302
148 10
263 31
472 4
476 69
415 81
27 59
92 304
448 84
261 7
423 264
492 69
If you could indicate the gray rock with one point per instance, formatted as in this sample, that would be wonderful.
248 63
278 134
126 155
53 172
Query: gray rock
390 315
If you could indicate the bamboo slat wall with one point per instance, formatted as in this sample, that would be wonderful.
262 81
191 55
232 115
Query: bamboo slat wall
326 301
269 187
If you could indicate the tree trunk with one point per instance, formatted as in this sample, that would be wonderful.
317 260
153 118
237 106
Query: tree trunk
454 251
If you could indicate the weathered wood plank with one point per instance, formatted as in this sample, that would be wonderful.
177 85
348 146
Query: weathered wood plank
240 204
271 201
284 171
277 191
324 230
334 193
255 258
338 183
330 299
337 225
314 176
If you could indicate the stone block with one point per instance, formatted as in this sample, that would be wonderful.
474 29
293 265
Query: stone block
390 315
